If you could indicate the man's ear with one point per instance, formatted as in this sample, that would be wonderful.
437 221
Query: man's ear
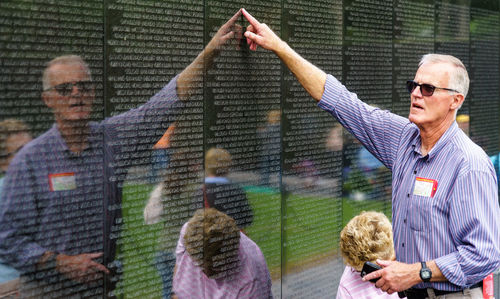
458 99
47 99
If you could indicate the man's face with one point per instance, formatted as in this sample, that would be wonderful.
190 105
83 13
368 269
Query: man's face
69 102
437 110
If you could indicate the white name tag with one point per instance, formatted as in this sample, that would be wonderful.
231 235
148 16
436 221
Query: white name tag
62 181
425 187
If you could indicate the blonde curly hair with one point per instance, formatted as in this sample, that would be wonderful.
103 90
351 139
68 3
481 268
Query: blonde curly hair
366 237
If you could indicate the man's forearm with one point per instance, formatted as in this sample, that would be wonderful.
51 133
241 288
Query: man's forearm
310 76
188 80
193 73
437 275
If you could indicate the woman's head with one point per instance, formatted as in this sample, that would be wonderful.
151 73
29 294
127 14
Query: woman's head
212 240
366 237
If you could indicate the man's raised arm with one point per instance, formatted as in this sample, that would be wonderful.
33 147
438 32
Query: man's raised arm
190 77
311 77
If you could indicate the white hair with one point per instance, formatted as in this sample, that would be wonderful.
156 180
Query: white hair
459 78
67 60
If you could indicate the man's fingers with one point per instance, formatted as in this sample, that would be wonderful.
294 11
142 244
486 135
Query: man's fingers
94 255
384 263
231 21
250 28
250 19
227 36
370 276
100 267
253 37
235 17
253 40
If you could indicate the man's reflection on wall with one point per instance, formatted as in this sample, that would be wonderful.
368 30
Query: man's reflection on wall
14 134
215 260
62 193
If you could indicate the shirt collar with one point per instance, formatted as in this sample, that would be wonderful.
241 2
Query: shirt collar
92 139
444 140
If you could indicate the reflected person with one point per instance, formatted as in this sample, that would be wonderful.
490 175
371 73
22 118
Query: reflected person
269 159
221 193
61 200
14 134
215 260
446 216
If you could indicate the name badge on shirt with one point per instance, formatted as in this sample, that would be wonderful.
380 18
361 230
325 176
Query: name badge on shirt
62 181
425 187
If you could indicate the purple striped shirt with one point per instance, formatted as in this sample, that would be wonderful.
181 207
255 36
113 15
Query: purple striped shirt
458 225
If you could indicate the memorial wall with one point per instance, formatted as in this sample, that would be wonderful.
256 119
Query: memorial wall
169 111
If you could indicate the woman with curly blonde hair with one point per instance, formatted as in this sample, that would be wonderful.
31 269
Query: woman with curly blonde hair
366 238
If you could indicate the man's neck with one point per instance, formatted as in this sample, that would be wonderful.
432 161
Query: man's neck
430 136
75 134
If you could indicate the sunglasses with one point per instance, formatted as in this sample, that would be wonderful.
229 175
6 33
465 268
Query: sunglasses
65 89
426 89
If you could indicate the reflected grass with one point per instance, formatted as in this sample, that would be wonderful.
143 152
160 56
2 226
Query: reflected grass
310 234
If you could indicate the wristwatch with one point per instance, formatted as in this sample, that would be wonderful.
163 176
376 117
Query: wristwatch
425 273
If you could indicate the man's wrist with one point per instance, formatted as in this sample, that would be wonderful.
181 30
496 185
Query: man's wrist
425 272
416 273
48 261
282 48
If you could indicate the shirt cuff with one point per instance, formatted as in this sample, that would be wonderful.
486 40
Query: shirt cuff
168 91
332 93
449 266
32 254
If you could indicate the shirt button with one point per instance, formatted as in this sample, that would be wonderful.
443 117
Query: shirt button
408 195
415 172
404 220
403 244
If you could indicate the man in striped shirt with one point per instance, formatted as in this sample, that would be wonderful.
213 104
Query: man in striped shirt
445 203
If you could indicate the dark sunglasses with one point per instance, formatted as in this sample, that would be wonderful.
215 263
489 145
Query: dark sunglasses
65 89
426 89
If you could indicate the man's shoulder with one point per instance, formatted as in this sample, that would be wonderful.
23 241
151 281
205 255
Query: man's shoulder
43 143
470 155
250 248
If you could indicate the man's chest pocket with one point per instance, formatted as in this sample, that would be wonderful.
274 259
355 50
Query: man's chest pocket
421 213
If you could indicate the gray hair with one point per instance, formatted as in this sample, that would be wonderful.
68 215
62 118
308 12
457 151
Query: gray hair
459 78
66 59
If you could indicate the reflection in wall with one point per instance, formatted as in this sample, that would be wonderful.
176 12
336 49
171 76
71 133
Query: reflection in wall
114 185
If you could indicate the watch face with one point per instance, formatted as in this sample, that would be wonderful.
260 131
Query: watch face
425 274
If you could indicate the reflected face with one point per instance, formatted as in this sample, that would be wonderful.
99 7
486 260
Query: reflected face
13 144
432 111
72 101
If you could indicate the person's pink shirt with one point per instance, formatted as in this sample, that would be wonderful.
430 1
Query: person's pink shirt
352 286
251 280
